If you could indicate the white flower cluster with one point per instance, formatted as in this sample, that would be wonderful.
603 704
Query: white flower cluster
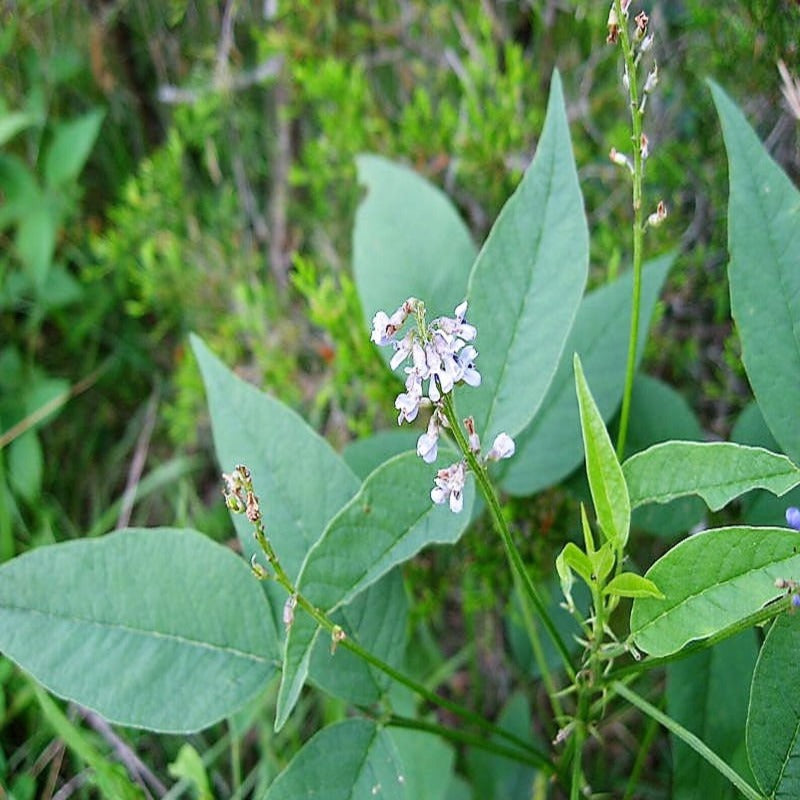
440 354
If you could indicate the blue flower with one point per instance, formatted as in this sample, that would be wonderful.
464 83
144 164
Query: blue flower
793 517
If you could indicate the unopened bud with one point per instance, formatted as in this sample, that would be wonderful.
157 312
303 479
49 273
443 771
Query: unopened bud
658 216
647 43
781 583
474 440
652 80
257 569
626 81
252 508
613 25
620 159
644 146
337 635
625 5
641 25
288 610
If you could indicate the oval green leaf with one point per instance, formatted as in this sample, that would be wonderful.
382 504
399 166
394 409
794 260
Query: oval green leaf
408 240
301 482
551 446
350 760
716 471
773 722
764 247
629 584
72 142
527 283
711 581
135 626
606 482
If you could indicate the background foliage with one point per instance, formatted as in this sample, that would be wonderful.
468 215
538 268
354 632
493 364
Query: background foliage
176 167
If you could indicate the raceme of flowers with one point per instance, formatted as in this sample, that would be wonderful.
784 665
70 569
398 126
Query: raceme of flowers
441 357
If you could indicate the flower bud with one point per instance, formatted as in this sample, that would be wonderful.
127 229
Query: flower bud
337 635
658 216
288 610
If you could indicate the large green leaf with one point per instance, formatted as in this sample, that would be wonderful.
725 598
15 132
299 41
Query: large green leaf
527 283
707 693
301 482
764 247
551 446
717 471
659 413
351 760
72 142
760 507
346 675
606 482
408 240
773 724
711 581
160 629
391 519
428 763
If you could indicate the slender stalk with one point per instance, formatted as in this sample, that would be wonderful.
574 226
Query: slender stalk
690 739
236 759
638 226
324 621
531 756
517 565
641 757
751 620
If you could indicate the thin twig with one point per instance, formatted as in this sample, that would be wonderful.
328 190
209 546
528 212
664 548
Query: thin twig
138 770
177 95
138 462
72 786
48 408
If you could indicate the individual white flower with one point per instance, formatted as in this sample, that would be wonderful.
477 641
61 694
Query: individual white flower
457 326
449 486
466 365
402 350
428 443
407 403
382 329
502 447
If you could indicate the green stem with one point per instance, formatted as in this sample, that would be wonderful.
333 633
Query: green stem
641 758
531 756
638 226
690 739
236 759
354 647
514 557
751 620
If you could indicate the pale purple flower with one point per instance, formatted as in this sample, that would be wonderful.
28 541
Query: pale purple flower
428 443
502 447
466 365
382 329
449 486
793 517
407 403
402 350
457 326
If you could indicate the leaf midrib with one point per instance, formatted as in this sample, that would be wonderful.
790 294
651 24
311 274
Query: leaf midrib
184 640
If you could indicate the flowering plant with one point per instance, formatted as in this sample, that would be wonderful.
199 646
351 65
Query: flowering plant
197 637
